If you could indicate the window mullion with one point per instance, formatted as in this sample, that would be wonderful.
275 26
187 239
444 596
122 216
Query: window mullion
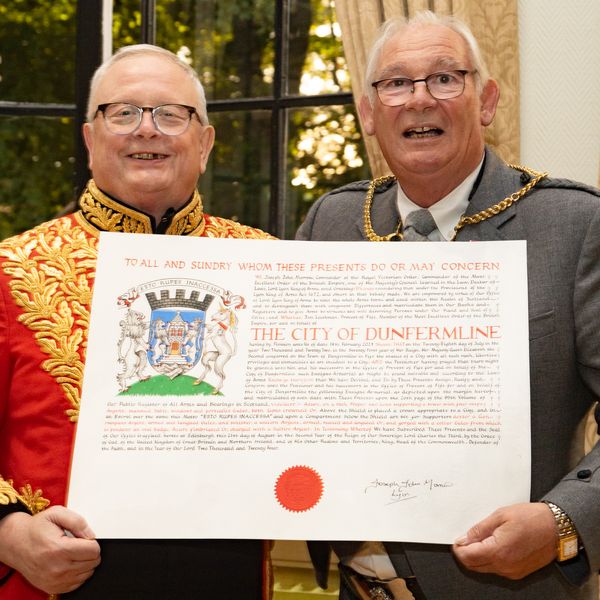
88 56
279 125
148 22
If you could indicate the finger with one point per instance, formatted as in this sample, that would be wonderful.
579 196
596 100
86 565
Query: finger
477 555
70 578
81 550
480 566
68 584
70 521
481 530
82 572
88 563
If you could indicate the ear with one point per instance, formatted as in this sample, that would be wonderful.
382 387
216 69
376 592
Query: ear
489 101
365 110
88 137
207 140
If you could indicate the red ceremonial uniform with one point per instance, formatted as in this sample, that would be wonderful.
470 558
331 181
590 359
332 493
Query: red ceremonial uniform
46 281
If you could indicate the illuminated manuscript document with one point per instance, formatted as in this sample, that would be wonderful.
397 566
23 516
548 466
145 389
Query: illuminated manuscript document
303 390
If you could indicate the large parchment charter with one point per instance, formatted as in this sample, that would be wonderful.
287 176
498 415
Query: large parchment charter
303 390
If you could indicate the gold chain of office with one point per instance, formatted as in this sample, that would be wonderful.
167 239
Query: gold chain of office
464 220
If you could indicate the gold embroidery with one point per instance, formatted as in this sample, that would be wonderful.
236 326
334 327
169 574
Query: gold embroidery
8 494
52 269
190 220
106 214
34 501
100 212
217 227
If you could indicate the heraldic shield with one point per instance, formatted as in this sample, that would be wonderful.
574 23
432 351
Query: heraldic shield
176 332
179 328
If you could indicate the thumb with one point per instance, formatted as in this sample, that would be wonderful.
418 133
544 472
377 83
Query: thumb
480 531
70 521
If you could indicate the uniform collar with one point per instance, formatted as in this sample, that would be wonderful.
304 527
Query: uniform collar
107 214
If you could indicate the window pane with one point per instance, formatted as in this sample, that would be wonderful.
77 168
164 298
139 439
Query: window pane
37 53
230 44
325 152
236 184
316 55
36 170
127 23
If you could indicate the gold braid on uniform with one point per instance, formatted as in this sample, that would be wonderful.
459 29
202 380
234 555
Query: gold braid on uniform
464 220
33 501
218 227
105 214
101 212
52 270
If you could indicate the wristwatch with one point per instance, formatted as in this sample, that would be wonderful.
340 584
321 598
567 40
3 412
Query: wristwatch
568 539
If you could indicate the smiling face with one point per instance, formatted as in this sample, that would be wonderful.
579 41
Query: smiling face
430 145
147 169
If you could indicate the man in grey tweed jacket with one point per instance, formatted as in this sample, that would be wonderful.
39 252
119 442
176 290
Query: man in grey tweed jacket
428 108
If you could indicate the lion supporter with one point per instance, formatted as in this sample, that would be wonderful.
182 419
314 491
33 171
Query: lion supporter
148 140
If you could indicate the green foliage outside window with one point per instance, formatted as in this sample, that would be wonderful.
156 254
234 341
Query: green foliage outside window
37 64
37 50
232 46
36 171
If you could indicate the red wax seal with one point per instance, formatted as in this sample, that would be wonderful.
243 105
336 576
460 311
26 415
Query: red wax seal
299 488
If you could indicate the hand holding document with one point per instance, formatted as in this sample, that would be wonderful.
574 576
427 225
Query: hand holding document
303 390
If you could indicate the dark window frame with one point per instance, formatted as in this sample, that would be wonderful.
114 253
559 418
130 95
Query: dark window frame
88 56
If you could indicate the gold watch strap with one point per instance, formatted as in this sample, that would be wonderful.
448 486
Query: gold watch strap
568 540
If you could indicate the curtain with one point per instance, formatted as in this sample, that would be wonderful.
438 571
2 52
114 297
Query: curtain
495 25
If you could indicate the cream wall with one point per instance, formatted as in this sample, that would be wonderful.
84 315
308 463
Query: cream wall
560 87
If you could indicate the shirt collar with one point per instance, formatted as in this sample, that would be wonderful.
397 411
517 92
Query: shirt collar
447 211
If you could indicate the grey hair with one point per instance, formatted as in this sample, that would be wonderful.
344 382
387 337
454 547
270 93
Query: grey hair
397 25
146 50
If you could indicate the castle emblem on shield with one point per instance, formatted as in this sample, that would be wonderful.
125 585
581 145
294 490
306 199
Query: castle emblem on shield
179 340
176 330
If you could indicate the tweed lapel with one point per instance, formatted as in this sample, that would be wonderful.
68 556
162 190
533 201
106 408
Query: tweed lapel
497 182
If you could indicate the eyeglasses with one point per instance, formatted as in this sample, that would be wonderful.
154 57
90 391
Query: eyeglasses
170 119
396 91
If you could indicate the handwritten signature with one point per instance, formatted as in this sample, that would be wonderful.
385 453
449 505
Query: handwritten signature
406 489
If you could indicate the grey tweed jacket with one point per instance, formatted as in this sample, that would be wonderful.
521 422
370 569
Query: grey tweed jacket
560 220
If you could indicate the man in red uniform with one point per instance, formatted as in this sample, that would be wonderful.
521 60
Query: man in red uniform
148 140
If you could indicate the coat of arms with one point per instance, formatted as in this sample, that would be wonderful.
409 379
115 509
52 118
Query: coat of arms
184 324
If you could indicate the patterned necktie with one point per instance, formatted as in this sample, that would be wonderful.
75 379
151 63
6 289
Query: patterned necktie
418 225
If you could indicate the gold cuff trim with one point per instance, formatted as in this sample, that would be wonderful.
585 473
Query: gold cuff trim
33 501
